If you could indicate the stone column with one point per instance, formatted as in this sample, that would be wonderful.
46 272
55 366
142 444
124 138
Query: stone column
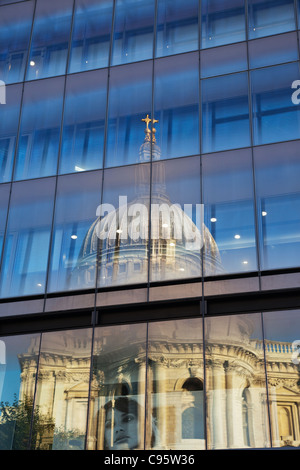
217 406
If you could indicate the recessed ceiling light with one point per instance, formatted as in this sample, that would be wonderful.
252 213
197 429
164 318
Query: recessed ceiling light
119 230
74 237
165 225
213 219
237 236
32 63
245 262
264 213
40 285
172 244
78 168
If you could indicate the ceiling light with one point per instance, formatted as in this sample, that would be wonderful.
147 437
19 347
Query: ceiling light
77 168
165 225
245 262
237 236
264 213
39 285
213 219
32 63
74 237
172 244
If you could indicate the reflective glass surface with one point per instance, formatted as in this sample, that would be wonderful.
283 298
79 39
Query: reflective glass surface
39 129
84 122
273 50
4 198
27 240
91 35
266 17
223 60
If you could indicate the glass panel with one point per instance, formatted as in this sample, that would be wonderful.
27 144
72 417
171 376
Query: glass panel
84 117
9 121
268 17
225 113
275 116
50 38
27 239
62 390
40 129
176 105
177 27
223 22
278 204
235 378
222 60
117 410
273 50
15 28
282 355
75 211
175 414
133 31
4 198
18 368
176 225
91 35
122 226
130 99
229 210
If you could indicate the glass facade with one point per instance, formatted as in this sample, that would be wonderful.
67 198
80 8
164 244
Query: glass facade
149 156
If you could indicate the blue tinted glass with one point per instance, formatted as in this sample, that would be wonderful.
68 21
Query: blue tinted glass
229 209
273 50
275 116
129 102
15 28
40 129
133 31
277 169
50 39
4 196
27 239
9 119
223 22
78 197
177 27
225 113
84 116
91 35
267 17
224 59
176 105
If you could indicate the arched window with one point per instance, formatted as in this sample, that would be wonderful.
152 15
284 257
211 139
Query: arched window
192 417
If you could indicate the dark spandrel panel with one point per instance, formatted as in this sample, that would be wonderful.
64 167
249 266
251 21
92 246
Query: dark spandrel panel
50 39
15 29
18 368
225 113
117 414
39 129
267 17
275 116
5 2
176 105
133 31
84 122
130 100
62 390
277 171
222 22
9 119
26 247
273 50
4 197
91 35
177 27
72 266
223 60
229 210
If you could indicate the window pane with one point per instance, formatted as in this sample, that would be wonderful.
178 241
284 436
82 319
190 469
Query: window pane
268 17
222 60
117 411
236 389
273 50
9 120
282 356
278 204
27 239
15 28
84 117
75 211
122 226
40 129
225 113
223 22
50 38
175 385
229 210
91 35
275 116
62 390
133 31
18 368
176 105
177 27
129 102
4 198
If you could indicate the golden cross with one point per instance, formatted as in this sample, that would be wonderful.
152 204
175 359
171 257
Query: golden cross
147 120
